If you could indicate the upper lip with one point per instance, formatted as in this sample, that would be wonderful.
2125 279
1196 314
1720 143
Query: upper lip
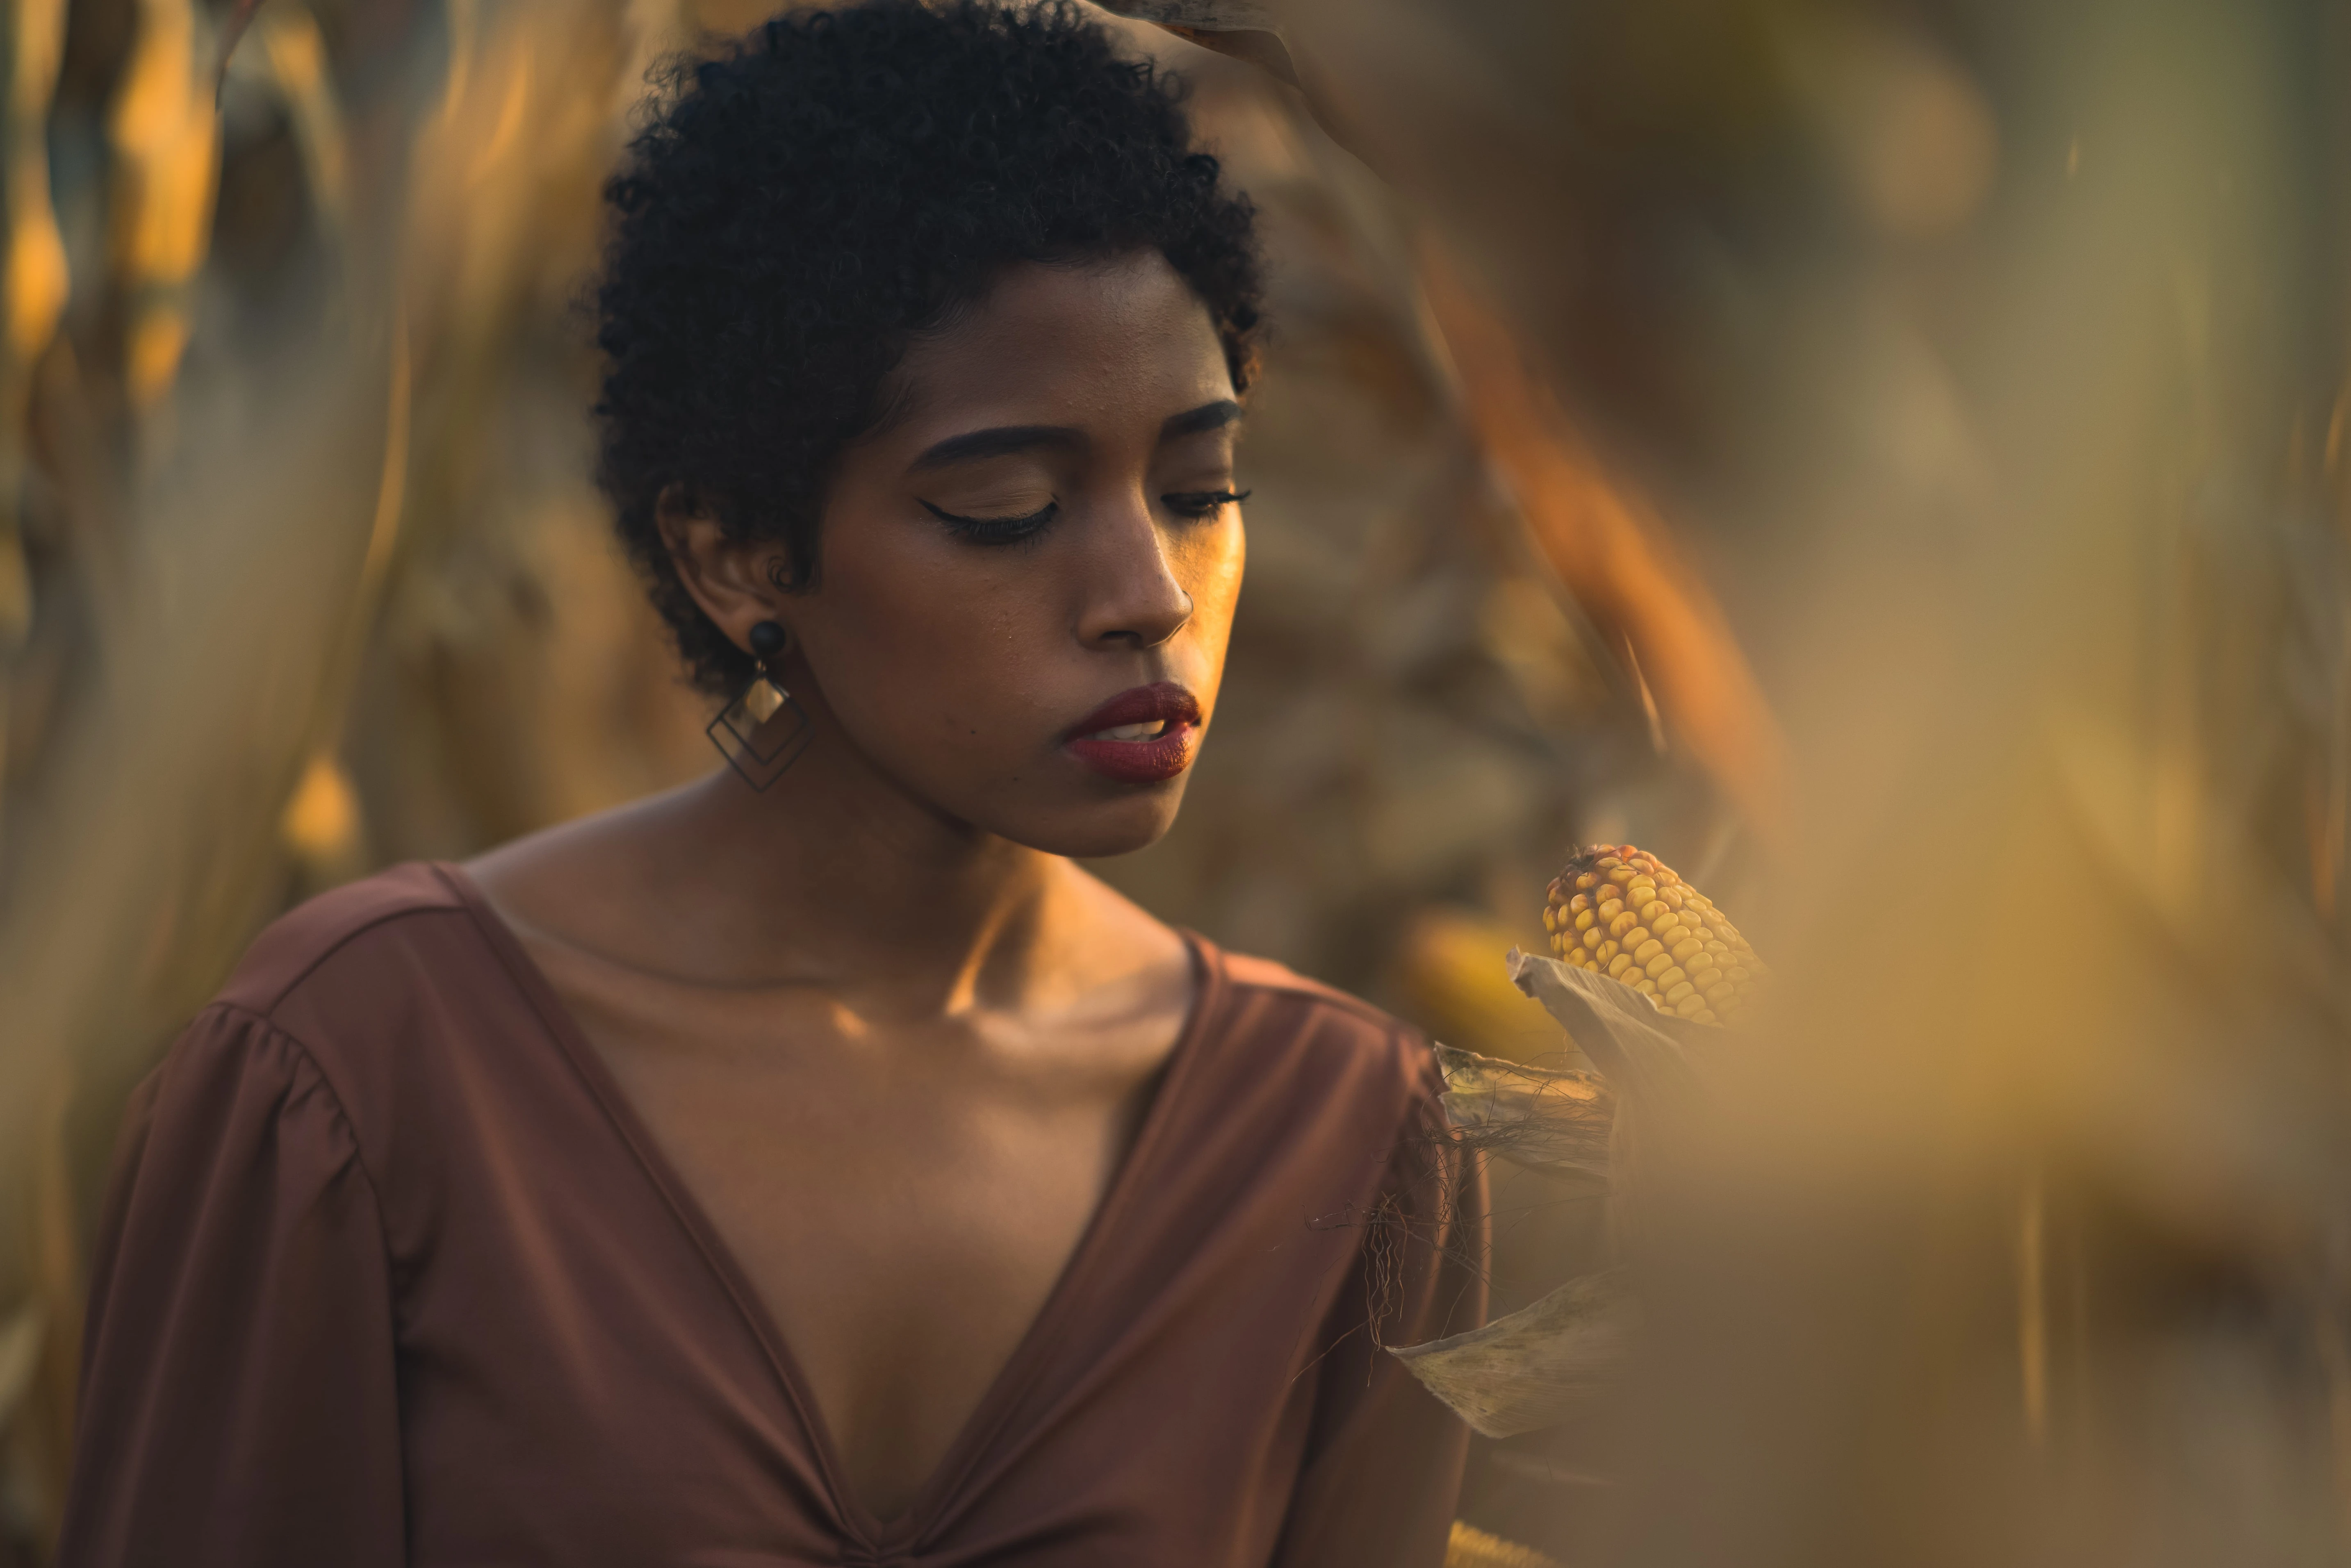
1162 700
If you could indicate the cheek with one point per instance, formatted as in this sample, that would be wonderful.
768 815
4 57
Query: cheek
910 644
1209 564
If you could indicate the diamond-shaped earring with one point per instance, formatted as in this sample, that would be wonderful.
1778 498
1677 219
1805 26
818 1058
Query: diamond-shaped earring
763 731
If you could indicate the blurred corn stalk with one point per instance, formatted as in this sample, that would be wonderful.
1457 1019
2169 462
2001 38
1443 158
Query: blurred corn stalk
262 339
35 284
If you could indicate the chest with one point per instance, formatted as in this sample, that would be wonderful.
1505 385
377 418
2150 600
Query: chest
902 1203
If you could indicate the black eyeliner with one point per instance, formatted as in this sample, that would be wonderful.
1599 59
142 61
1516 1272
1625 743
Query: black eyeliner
1200 503
994 530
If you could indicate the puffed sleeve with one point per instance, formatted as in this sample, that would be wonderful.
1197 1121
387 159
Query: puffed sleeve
239 1402
1384 1464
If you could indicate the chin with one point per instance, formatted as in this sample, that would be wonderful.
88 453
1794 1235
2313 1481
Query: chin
1097 830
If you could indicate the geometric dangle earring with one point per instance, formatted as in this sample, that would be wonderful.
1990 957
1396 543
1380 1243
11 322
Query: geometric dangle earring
763 730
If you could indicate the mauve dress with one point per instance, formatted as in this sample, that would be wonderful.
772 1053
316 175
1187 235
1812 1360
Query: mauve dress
390 1273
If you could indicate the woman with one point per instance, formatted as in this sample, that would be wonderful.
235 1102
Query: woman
812 1164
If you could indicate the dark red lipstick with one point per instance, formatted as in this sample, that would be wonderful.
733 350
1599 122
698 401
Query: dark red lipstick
1143 758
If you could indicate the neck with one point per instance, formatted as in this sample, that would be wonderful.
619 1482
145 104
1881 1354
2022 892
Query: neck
834 876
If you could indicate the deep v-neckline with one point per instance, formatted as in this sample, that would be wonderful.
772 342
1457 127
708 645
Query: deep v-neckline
1003 1395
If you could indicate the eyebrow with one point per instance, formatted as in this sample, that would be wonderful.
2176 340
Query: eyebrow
998 442
1207 416
1003 440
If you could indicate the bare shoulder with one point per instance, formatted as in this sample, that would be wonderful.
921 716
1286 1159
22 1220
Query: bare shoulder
571 880
584 848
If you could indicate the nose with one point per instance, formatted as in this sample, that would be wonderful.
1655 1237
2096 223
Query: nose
1134 598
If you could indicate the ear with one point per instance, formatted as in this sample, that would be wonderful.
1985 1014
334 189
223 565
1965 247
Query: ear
738 582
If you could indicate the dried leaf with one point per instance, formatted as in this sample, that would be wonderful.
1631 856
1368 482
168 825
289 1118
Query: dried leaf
1534 1368
1201 16
1537 1116
1243 29
1640 1049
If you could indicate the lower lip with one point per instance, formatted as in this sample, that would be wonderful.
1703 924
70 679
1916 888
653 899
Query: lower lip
1151 762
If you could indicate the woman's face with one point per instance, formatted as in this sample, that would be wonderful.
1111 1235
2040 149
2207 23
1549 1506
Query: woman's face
1028 576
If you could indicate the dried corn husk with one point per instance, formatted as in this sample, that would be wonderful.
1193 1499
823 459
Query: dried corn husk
1534 1368
1640 1050
1536 1117
1529 1369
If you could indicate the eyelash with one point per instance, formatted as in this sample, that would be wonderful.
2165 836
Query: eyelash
1195 504
996 530
1202 503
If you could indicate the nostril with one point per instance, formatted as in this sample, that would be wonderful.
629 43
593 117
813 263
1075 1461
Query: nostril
1144 610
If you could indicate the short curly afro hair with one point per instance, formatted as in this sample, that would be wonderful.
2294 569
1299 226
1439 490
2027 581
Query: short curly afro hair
802 202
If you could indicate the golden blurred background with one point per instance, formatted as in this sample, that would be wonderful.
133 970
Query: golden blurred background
1886 458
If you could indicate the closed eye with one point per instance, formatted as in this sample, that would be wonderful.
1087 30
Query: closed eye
996 530
1201 503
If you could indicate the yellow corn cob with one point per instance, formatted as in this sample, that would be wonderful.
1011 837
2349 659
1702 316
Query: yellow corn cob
1620 911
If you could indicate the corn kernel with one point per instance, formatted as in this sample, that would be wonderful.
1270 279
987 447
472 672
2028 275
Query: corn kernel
1616 909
